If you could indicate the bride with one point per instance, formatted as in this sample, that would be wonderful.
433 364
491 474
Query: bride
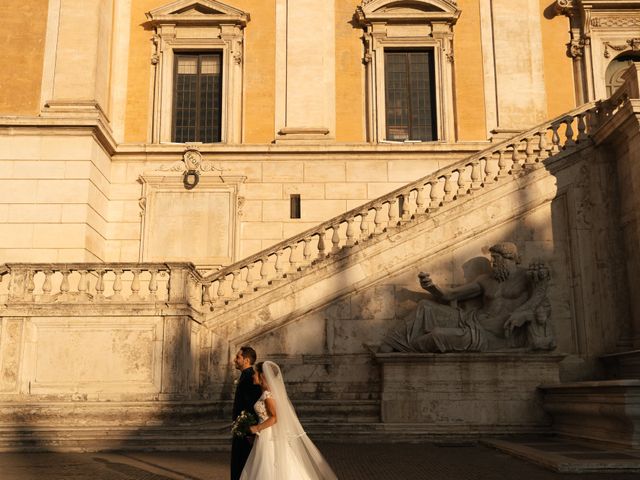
282 450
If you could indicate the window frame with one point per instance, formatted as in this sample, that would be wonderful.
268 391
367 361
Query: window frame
198 55
432 92
412 29
219 29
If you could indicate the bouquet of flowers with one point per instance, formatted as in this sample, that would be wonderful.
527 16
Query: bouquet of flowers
240 426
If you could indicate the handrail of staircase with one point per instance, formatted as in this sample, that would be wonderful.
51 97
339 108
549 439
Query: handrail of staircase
525 151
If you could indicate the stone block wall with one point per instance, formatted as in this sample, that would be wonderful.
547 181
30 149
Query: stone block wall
54 198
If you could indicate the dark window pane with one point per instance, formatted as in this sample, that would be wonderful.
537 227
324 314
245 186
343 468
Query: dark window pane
197 93
410 95
295 211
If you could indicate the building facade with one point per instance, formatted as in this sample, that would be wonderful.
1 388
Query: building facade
178 178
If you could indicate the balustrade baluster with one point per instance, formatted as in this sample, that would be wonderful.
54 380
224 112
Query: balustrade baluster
221 287
264 271
378 221
307 250
530 159
31 284
321 244
236 283
542 145
251 277
206 295
296 256
463 184
280 264
555 138
135 286
351 232
503 164
100 284
491 169
64 284
435 195
335 239
582 127
448 187
117 286
569 132
515 157
153 285
406 206
476 175
83 284
420 200
364 226
46 285
393 212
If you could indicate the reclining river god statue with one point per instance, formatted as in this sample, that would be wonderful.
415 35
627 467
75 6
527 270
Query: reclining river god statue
515 311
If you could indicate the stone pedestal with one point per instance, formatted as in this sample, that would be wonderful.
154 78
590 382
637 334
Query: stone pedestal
483 392
607 412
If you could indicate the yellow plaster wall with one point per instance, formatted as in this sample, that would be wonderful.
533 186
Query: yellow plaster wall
259 103
349 75
260 70
558 70
22 38
139 76
468 74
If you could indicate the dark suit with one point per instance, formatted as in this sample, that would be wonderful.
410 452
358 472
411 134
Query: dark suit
246 396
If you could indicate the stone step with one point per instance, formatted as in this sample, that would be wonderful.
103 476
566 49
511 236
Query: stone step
567 455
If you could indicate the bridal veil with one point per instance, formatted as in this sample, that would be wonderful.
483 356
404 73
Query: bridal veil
290 438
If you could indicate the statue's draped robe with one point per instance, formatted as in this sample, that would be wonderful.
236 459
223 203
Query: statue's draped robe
437 327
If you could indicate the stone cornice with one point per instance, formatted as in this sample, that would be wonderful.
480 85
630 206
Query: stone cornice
197 12
62 124
442 11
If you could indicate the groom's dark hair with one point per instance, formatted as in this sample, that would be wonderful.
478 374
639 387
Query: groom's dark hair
250 353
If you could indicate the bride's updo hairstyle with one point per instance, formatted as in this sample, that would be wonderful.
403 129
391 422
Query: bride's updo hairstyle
275 371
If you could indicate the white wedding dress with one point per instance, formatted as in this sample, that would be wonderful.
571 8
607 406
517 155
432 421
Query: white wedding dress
283 451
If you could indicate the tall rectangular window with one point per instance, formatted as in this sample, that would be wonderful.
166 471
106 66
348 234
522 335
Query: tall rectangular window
197 112
410 95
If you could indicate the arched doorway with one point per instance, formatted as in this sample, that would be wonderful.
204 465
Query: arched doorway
617 67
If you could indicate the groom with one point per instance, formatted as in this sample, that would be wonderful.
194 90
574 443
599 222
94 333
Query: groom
246 395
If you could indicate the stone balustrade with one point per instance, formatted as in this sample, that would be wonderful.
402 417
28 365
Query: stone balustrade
99 283
162 282
515 156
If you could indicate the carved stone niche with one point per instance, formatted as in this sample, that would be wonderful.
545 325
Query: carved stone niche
408 24
199 224
197 25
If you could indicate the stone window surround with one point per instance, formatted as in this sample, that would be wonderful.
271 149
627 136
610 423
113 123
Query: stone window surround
183 32
408 29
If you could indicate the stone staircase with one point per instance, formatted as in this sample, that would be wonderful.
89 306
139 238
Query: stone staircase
424 200
266 293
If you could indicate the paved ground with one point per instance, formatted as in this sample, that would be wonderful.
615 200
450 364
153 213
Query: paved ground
350 462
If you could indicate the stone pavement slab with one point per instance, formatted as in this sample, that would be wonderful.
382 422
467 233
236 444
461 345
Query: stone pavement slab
565 455
350 462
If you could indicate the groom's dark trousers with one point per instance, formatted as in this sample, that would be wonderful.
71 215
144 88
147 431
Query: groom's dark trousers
246 396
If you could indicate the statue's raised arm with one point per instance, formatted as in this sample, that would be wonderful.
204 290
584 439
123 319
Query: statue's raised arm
463 292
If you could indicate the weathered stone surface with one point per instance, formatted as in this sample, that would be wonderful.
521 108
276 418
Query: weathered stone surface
496 392
603 411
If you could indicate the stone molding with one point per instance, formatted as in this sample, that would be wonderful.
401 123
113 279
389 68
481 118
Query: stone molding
179 26
171 180
390 24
